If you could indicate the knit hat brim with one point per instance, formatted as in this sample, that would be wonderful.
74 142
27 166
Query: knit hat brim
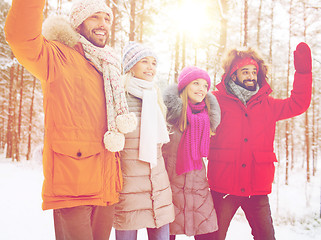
82 9
190 74
133 53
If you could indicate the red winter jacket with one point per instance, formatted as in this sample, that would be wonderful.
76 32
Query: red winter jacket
241 158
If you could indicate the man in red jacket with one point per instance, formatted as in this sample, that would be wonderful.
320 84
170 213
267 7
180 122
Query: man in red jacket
241 159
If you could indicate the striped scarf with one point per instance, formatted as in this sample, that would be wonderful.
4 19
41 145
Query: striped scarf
241 93
107 62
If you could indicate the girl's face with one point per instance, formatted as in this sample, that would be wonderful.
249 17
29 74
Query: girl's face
145 69
196 90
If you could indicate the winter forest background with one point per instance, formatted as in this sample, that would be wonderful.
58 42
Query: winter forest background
194 32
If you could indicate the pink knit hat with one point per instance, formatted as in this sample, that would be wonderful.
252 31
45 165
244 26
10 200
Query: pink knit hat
191 73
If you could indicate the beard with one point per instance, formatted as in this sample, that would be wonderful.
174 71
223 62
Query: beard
89 34
243 85
96 42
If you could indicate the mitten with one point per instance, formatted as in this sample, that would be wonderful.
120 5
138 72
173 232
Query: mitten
302 58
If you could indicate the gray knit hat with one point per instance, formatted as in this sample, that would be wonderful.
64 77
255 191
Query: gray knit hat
82 9
133 53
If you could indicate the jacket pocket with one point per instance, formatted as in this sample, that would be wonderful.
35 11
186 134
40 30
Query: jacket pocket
221 169
263 171
77 169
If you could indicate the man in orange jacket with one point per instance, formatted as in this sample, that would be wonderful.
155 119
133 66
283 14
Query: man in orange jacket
86 114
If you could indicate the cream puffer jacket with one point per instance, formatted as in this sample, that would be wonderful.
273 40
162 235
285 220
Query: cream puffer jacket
146 198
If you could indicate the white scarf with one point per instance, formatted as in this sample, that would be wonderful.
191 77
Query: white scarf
153 128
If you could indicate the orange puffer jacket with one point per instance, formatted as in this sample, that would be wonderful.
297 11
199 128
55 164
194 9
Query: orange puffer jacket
78 170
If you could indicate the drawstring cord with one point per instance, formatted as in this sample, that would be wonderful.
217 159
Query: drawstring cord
225 196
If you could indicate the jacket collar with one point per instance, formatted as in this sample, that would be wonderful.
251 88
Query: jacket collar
58 28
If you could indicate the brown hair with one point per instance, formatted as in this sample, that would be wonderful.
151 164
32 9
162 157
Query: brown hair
234 55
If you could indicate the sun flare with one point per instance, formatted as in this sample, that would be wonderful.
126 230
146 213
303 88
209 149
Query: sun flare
190 17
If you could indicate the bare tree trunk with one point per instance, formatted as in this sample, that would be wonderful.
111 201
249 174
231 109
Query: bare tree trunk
177 50
31 118
132 20
246 10
19 116
259 25
307 127
271 42
142 19
278 152
14 123
176 69
208 54
292 144
223 35
183 50
2 117
307 143
287 152
287 128
314 135
169 78
223 31
113 26
9 134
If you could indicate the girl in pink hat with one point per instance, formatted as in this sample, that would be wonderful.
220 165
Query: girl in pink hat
192 115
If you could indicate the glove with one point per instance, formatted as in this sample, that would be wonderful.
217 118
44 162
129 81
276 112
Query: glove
302 58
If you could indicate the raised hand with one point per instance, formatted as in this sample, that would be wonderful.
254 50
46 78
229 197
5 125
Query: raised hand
302 58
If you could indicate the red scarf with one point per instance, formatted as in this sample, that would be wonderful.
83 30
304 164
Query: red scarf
194 143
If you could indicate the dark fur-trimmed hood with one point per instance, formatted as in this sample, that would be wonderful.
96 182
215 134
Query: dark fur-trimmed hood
174 106
58 28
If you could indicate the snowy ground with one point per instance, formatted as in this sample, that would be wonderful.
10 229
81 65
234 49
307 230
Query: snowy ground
295 208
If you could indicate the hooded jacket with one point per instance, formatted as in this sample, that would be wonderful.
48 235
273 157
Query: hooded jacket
146 199
194 209
241 158
78 170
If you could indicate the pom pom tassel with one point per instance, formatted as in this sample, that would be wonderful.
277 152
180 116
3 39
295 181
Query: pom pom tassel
126 122
114 141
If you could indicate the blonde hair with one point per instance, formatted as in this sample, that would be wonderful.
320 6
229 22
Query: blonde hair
125 79
128 76
182 124
160 101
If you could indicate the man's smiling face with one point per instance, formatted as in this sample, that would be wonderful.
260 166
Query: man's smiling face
246 77
96 29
